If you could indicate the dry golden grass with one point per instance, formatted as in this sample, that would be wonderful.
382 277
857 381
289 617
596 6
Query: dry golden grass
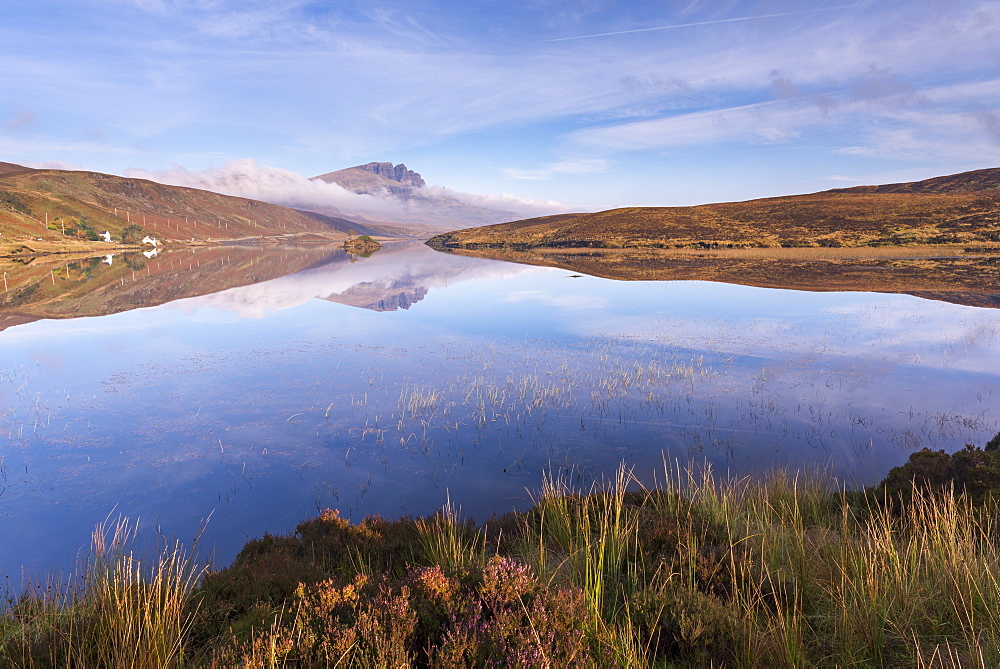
35 204
953 210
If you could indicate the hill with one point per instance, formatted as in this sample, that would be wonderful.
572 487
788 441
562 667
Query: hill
11 168
956 209
67 207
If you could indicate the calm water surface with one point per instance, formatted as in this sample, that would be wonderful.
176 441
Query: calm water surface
386 384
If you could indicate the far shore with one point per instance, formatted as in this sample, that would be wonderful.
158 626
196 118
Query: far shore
789 253
35 247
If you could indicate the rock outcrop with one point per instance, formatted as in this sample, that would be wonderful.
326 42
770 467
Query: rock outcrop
397 173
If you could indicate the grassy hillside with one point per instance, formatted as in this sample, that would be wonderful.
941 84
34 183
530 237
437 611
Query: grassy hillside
78 205
958 209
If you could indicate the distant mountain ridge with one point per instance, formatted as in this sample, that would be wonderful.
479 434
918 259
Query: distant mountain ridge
955 209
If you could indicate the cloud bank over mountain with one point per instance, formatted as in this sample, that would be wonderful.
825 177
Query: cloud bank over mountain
427 205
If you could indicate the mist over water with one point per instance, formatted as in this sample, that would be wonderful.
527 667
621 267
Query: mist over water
383 385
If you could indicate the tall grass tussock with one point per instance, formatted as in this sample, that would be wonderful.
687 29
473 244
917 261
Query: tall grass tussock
121 611
785 569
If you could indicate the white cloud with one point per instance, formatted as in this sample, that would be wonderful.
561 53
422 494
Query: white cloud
559 301
948 122
502 202
765 122
245 178
580 166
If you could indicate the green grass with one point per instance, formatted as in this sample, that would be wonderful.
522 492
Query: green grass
122 611
787 569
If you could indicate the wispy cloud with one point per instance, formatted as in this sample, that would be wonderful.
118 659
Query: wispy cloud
322 85
695 24
502 202
20 118
559 301
549 170
764 122
881 119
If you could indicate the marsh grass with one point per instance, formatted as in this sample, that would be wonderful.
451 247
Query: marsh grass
453 543
787 569
784 569
122 611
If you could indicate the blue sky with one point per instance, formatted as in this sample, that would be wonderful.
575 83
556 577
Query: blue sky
589 103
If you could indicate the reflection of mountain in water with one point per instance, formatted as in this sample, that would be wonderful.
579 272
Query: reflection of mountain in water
380 296
249 281
397 277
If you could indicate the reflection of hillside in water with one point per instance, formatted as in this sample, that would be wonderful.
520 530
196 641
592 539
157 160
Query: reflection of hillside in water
248 280
949 275
60 287
396 277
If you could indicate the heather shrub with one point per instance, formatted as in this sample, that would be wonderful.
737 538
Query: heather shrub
972 471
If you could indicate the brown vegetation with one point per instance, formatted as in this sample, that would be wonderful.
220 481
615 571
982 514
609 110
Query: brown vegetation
68 286
362 245
784 570
63 210
958 209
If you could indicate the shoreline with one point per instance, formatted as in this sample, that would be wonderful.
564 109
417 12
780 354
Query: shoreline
11 249
817 253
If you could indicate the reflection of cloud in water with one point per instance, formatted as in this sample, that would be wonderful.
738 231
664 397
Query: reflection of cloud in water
893 328
563 301
475 393
404 267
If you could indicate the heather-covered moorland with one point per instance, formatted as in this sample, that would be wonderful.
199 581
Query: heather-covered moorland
784 569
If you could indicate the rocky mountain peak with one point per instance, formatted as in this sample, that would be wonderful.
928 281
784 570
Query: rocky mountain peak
395 172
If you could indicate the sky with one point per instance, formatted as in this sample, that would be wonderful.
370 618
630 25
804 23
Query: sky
576 105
